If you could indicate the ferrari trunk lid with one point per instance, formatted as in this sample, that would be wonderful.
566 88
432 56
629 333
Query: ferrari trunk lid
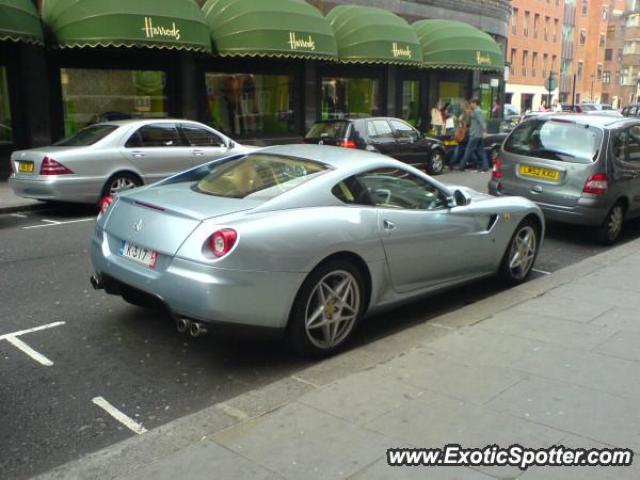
162 218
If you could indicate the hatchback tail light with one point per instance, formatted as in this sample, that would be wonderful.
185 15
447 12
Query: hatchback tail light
596 184
496 172
222 241
51 167
348 144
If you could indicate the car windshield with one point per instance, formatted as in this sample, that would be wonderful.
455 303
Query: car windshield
328 130
87 136
258 176
555 140
588 107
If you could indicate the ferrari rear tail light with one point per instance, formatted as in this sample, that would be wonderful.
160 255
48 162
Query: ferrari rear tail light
222 241
105 204
51 167
596 184
348 144
497 168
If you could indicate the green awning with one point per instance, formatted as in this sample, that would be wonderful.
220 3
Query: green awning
452 44
171 24
373 35
268 28
19 21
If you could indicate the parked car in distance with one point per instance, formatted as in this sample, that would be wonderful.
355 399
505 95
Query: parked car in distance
631 110
303 241
510 112
580 169
590 107
386 135
107 158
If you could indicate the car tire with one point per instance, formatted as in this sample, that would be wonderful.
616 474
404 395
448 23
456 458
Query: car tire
609 232
308 332
127 181
435 164
521 253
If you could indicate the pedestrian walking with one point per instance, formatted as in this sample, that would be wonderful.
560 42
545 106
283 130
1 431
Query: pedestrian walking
462 134
437 121
475 145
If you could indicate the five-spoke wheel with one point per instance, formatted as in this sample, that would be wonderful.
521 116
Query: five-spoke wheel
521 253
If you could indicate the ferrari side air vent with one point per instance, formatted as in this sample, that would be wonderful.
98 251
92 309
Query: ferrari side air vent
492 221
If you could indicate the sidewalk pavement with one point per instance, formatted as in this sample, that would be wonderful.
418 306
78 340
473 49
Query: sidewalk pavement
551 362
11 203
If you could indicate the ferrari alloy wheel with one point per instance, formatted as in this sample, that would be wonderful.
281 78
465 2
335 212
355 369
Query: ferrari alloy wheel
327 309
435 164
521 253
610 230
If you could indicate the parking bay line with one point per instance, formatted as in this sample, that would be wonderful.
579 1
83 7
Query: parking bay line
53 223
13 339
118 415
540 271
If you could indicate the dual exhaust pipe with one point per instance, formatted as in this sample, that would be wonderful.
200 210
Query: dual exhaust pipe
195 329
184 325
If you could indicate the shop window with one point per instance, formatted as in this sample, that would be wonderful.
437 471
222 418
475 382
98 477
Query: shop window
350 98
95 95
6 129
411 101
243 104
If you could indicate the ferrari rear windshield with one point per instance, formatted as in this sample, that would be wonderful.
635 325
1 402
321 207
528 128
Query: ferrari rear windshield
553 139
259 176
87 136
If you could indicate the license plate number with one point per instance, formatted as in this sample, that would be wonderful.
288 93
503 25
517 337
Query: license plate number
25 167
539 172
139 254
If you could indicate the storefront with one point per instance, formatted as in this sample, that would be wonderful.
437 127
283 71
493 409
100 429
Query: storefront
20 29
255 81
462 63
372 44
110 61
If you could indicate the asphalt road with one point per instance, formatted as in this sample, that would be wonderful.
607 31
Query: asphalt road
134 358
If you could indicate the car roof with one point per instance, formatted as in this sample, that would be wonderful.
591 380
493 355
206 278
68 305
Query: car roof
146 121
593 119
337 157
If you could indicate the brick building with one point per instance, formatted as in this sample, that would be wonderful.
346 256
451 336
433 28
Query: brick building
533 51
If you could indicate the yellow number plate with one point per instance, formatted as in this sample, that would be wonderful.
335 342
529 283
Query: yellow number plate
25 167
539 172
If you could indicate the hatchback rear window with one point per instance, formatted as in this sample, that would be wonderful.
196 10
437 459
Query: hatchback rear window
258 176
328 130
555 140
87 136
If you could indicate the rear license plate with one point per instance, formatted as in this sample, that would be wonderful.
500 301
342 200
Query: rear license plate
539 172
138 254
25 167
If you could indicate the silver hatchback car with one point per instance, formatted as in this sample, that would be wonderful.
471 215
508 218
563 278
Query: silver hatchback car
580 169
110 157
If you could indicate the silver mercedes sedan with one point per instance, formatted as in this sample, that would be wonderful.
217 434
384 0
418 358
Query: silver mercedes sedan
110 157
304 240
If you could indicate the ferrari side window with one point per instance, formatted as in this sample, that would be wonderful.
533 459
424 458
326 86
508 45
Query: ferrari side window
397 188
351 192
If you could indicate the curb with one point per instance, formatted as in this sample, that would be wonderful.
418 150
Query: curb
23 208
122 459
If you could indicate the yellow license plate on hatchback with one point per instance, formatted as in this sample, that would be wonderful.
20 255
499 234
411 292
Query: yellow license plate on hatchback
540 172
25 167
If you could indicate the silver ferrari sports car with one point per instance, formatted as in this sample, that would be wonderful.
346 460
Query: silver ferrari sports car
110 157
304 240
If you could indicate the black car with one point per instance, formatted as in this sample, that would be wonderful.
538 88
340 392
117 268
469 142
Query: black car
389 136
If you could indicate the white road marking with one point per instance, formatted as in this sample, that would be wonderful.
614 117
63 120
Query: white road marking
53 224
31 330
13 339
540 271
38 357
19 215
118 415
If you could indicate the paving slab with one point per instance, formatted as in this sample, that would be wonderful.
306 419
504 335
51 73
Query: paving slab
298 441
380 470
620 319
592 414
622 345
578 310
439 372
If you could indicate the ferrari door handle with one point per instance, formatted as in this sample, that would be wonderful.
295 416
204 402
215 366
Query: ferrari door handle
137 154
198 153
388 225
